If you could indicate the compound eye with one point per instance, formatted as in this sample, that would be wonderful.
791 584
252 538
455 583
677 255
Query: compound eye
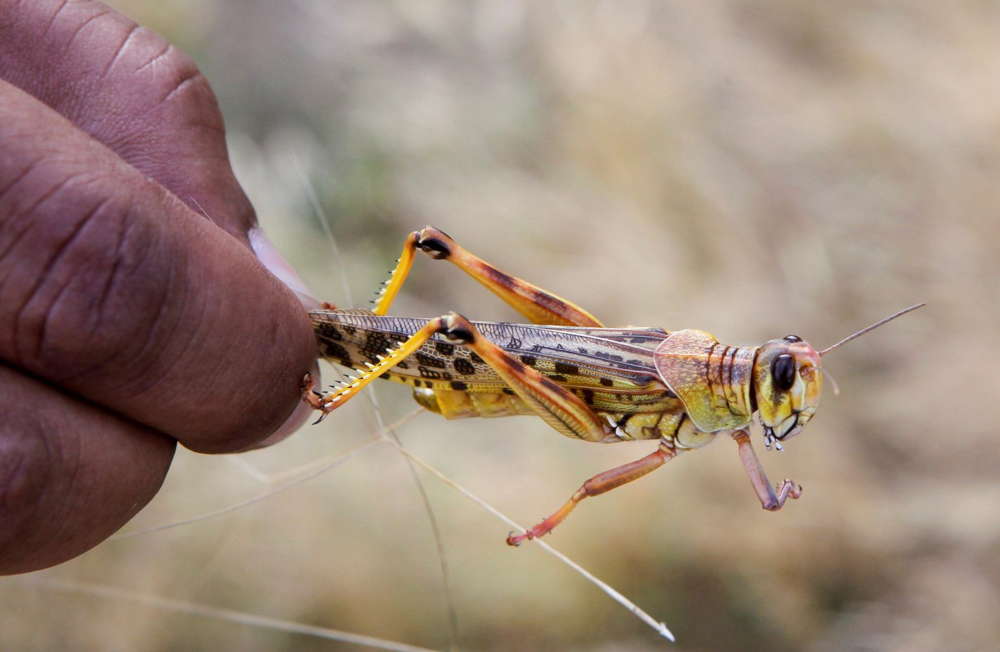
792 338
783 371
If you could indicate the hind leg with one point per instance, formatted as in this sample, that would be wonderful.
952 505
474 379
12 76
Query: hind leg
538 305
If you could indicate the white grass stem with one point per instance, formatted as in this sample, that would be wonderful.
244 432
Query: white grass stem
217 613
325 465
659 627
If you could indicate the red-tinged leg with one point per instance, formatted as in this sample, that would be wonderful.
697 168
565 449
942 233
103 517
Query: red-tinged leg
597 485
771 498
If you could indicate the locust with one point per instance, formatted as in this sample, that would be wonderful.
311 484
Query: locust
681 388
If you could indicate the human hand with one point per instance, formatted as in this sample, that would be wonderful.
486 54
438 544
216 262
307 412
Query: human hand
133 311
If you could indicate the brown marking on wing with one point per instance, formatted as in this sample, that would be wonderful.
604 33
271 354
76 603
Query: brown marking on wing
567 369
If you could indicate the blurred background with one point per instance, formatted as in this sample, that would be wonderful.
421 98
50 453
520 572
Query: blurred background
751 169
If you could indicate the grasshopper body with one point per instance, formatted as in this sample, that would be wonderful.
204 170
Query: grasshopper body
611 370
681 388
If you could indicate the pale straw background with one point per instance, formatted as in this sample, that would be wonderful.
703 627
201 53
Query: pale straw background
748 168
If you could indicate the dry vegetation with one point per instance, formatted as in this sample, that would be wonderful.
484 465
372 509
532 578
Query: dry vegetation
748 168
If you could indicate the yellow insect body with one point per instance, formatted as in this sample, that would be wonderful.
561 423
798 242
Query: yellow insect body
589 382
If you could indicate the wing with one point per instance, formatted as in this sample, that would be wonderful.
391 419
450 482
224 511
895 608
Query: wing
605 358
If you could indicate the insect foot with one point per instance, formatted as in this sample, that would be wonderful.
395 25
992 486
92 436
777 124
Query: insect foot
787 489
309 394
435 243
311 397
516 539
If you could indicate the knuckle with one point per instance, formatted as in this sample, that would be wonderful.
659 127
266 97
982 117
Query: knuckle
180 80
157 74
170 76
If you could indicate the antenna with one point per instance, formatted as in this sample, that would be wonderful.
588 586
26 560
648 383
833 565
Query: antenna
833 381
872 327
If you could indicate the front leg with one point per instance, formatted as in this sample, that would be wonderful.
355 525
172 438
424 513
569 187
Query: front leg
596 486
771 498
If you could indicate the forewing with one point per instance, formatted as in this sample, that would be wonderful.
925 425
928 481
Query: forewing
623 356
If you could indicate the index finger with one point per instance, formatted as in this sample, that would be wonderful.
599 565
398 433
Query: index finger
113 289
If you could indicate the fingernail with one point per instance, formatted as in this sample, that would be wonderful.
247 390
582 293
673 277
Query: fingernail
275 263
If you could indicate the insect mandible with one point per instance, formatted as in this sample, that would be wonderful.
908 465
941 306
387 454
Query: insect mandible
682 388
